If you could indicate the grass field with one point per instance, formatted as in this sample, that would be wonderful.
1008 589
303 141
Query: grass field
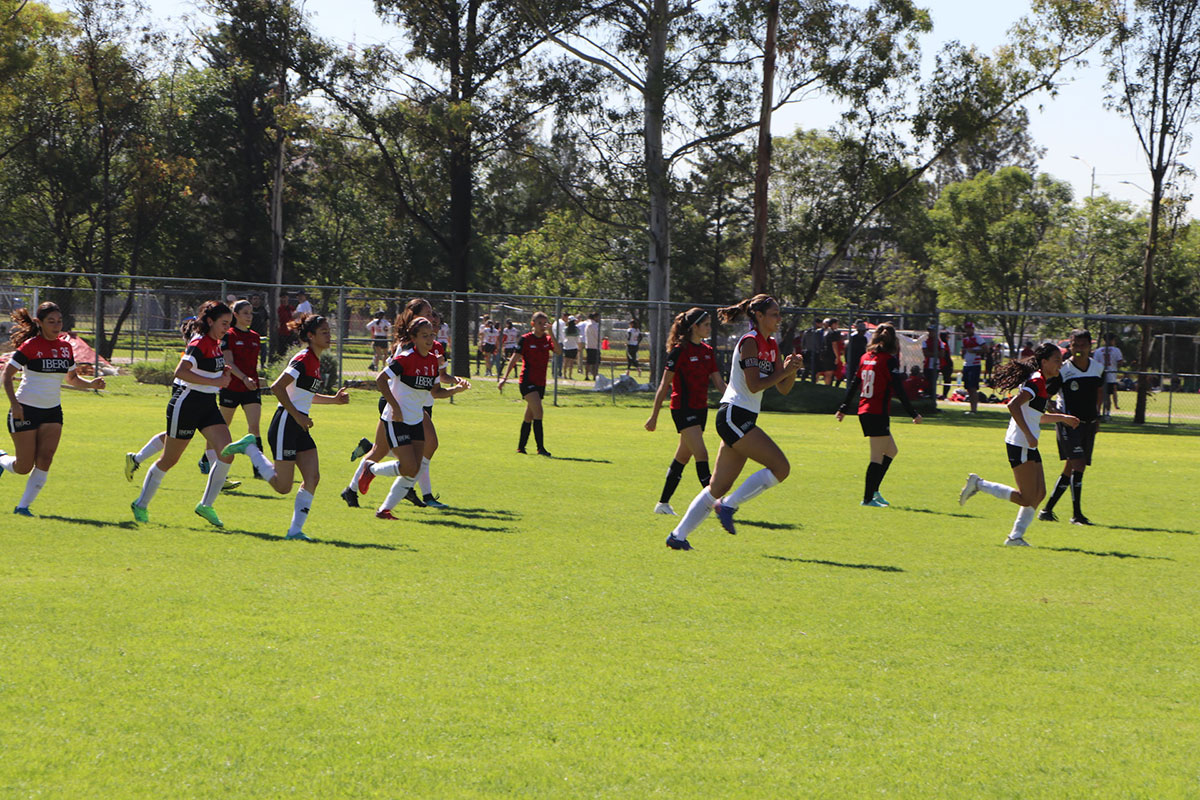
538 639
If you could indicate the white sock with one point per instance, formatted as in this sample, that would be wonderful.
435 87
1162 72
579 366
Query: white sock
996 489
216 480
1024 517
423 478
751 488
151 447
696 512
37 479
154 478
300 511
265 468
400 487
211 455
389 470
8 462
358 472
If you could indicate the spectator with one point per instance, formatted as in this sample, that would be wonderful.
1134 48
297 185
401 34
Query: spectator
302 305
283 318
812 350
931 353
557 331
915 384
591 346
831 345
633 340
991 357
1110 357
945 363
856 346
971 352
258 314
1027 351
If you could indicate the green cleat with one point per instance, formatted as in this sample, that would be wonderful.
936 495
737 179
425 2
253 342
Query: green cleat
879 499
210 514
140 514
297 536
238 447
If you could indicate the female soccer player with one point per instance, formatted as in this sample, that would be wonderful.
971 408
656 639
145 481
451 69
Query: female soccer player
570 346
1038 379
201 374
378 328
758 367
291 445
691 366
35 417
406 384
879 376
240 349
633 340
534 349
424 483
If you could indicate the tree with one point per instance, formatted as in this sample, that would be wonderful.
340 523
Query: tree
1097 248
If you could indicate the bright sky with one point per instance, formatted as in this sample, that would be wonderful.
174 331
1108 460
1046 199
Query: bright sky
1076 130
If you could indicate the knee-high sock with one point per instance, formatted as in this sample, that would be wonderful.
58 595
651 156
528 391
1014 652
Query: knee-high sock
265 468
752 487
37 479
389 469
996 489
674 473
423 478
1077 493
400 487
538 435
1024 517
154 478
524 440
1064 483
7 462
151 447
210 456
216 480
703 473
887 462
358 471
700 506
874 477
300 510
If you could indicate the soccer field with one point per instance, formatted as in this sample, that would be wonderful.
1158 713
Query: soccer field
538 638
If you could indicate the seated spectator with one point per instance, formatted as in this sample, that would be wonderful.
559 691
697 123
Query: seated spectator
915 384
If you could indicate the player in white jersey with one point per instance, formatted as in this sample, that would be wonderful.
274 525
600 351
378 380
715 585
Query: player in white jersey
380 329
757 366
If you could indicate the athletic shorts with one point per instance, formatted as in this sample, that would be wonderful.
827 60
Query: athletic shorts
230 399
1018 455
689 417
189 411
593 356
382 404
34 418
526 388
399 434
488 348
429 411
571 354
733 423
508 351
1077 442
970 377
287 438
875 424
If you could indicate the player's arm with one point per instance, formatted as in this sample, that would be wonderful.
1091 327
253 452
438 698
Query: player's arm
279 389
75 381
384 386
512 364
717 381
787 369
9 371
851 389
227 354
185 372
664 390
1065 419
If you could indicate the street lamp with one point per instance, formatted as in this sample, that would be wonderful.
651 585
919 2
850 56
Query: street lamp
1092 193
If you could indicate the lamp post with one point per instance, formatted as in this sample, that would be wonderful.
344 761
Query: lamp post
1092 192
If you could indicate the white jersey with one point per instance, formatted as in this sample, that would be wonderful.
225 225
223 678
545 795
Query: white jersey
379 328
1039 396
511 338
489 336
411 376
443 334
736 391
591 334
570 342
44 364
633 336
1109 356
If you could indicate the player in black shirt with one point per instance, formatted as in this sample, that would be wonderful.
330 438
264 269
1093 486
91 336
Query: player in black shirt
1082 396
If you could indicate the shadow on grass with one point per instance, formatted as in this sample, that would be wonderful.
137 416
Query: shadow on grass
1143 530
771 526
454 523
822 562
581 460
274 537
128 524
1105 554
480 513
916 510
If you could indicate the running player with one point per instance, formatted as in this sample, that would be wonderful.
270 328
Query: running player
1082 396
1038 378
879 376
424 484
240 349
35 417
534 349
758 367
201 374
691 366
291 444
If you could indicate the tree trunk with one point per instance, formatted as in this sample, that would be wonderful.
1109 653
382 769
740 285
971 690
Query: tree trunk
758 250
1143 384
277 222
659 259
461 208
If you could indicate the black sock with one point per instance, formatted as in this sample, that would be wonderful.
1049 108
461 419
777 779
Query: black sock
525 426
674 473
874 476
258 443
887 462
702 473
537 434
1063 483
1077 492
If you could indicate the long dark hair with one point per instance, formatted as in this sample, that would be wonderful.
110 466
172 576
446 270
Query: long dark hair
1013 373
747 308
206 315
681 328
400 333
305 325
884 340
26 325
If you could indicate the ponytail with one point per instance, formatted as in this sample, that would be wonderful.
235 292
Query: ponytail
400 332
26 325
681 327
1012 374
747 308
305 325
206 315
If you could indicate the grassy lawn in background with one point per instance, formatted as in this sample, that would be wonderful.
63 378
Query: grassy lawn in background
538 638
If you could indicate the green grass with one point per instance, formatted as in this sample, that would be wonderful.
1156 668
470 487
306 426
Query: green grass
539 639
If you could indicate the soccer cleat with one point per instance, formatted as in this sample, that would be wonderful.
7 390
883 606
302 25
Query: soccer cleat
140 514
1017 541
295 536
970 489
544 452
2 453
432 502
204 464
1080 520
414 498
725 516
873 503
364 480
521 450
238 447
209 514
678 544
665 508
878 498
131 465
22 512
1046 515
350 496
384 513
230 485
361 449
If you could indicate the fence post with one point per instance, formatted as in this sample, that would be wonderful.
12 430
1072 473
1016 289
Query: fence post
98 313
343 330
557 318
454 341
36 297
224 291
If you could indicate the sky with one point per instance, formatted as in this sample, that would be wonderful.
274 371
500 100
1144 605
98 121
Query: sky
1075 129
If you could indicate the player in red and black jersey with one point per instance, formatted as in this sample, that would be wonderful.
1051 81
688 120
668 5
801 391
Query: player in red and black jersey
240 348
35 417
879 376
297 389
534 349
691 367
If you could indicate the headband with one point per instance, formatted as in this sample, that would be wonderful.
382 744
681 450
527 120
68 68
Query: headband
696 318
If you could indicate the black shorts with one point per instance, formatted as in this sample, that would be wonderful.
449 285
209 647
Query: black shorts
733 423
399 434
875 424
1077 442
488 348
970 377
429 411
689 417
287 438
526 388
230 399
380 341
508 351
382 404
189 411
571 354
34 418
1018 455
593 356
